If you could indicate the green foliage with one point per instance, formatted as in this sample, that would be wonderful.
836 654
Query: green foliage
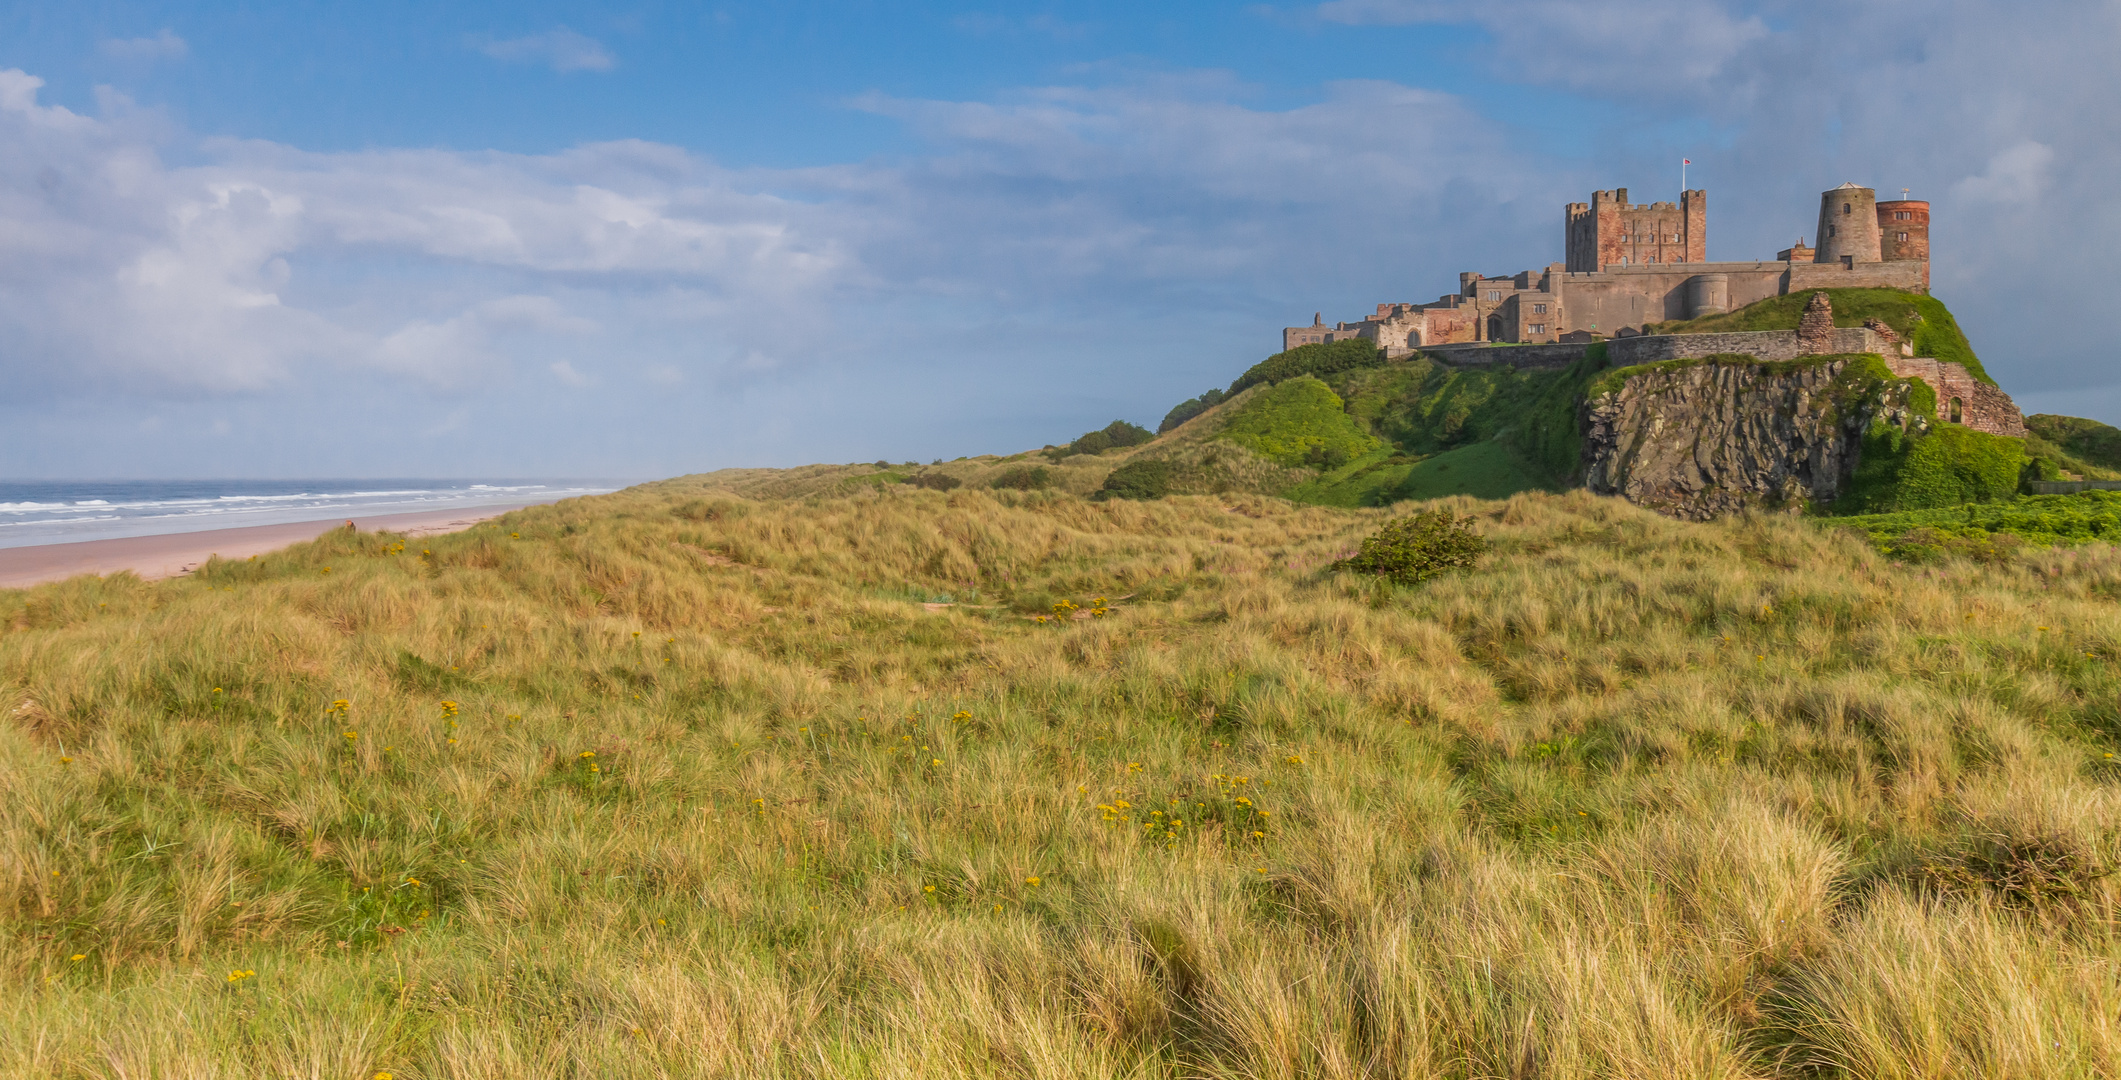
1190 408
1142 479
1922 320
1323 359
935 481
1025 478
1297 422
1118 434
2079 445
1411 550
2037 520
1947 466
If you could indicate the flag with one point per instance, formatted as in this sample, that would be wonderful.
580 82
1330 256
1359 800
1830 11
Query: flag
1686 161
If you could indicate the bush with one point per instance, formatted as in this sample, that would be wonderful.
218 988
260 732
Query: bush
935 481
1411 550
1190 408
1312 360
1024 478
1137 480
1299 422
1116 435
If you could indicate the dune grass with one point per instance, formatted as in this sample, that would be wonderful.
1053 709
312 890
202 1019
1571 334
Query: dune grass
674 784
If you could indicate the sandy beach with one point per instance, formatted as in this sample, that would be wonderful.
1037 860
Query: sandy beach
176 554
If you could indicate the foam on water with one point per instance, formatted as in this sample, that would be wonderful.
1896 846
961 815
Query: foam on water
61 511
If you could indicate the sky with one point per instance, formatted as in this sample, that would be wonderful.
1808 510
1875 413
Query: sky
639 240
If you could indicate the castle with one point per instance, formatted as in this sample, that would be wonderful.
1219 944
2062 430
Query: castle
1628 265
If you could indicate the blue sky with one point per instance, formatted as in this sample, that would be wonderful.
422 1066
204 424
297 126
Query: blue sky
554 239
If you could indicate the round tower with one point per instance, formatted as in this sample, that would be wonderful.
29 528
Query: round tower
1904 225
1848 226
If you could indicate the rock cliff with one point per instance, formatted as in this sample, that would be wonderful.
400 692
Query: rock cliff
1699 439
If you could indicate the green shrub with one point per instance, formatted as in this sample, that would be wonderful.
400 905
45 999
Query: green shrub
1190 408
1137 480
1947 466
2040 520
1312 360
1295 420
935 481
1024 478
1115 435
1411 550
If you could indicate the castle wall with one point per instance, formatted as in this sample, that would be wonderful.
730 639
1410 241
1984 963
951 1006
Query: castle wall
1913 276
1628 297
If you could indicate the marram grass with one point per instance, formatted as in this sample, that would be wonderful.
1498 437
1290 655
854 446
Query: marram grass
675 784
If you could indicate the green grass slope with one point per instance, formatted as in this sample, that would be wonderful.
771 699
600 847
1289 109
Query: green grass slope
2079 445
1922 320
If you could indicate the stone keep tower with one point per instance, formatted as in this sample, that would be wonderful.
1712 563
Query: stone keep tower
1848 226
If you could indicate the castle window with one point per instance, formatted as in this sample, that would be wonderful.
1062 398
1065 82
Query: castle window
1903 236
1955 411
1832 229
1845 208
1539 328
1901 215
1539 309
1494 296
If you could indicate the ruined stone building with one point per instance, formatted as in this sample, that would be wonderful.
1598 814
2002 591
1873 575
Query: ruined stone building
1627 265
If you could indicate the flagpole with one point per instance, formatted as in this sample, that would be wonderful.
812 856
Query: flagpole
1682 175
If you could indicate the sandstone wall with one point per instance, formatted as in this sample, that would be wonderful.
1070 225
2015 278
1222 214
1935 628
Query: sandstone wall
1709 439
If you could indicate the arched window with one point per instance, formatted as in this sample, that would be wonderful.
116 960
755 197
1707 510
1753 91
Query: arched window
1956 412
1845 208
1495 329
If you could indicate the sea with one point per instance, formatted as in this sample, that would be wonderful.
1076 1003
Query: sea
63 511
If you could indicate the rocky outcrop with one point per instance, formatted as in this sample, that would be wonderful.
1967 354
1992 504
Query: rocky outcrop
1701 439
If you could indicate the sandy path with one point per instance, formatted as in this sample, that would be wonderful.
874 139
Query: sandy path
175 554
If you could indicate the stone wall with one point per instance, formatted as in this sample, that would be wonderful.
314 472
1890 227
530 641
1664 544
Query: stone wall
1910 275
1759 344
1981 406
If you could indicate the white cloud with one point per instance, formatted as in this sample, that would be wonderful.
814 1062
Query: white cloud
561 49
565 372
2016 175
165 45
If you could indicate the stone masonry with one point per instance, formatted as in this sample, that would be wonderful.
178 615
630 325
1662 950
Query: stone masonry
1815 328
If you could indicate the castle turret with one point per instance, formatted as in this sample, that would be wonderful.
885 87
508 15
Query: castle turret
1904 233
1848 226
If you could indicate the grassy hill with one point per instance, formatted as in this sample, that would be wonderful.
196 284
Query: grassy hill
673 783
